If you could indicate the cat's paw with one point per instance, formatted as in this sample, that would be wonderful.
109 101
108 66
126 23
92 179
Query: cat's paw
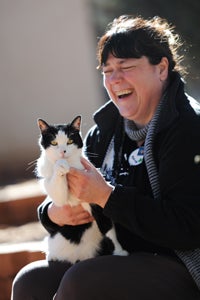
120 252
61 167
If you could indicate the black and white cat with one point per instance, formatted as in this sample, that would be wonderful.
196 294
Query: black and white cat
61 148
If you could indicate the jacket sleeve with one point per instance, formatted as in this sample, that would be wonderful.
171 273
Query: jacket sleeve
95 145
44 219
173 221
91 144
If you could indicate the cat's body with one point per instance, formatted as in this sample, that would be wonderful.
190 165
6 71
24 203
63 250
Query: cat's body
61 148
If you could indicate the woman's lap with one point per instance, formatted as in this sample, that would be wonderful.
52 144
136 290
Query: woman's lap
139 276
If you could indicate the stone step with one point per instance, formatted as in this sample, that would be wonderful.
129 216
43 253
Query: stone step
21 235
12 258
18 203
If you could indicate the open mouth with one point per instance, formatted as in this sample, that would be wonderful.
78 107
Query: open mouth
123 94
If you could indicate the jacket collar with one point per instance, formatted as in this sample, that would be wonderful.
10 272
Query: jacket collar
107 116
174 95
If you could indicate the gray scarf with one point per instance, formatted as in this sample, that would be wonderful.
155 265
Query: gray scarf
133 132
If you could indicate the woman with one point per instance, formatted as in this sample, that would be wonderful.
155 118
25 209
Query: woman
146 143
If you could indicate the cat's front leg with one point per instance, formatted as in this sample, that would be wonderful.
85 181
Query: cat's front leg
61 167
57 187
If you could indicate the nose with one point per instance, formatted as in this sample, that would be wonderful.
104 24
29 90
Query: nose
115 77
62 153
62 150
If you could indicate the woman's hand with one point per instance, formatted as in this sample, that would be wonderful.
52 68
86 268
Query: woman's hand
88 185
67 215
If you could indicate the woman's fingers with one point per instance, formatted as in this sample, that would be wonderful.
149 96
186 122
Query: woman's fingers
87 164
67 215
78 215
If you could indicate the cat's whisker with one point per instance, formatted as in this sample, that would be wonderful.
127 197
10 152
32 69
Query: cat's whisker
31 164
91 154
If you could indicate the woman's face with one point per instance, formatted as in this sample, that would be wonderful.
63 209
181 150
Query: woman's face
135 86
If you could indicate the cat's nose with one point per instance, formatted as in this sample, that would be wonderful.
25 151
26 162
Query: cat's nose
62 153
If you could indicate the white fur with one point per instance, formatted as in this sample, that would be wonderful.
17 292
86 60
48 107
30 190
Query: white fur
62 249
52 166
118 248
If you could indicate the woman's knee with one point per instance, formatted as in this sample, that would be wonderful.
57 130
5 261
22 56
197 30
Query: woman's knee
77 282
23 284
38 280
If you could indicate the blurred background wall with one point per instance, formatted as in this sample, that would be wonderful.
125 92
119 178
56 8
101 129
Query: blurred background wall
48 66
47 70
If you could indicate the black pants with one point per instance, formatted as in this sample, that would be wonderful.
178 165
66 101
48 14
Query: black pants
140 276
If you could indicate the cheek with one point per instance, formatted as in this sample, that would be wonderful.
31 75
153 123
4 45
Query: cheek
70 149
109 91
104 82
106 85
52 154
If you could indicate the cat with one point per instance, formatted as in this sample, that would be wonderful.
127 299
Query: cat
61 148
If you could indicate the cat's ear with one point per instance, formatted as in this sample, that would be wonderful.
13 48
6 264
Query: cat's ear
42 125
76 123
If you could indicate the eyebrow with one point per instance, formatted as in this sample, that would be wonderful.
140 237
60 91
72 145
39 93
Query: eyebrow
108 64
120 61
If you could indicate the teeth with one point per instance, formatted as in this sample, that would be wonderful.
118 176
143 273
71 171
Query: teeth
124 92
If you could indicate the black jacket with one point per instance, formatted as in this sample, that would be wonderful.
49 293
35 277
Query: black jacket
173 222
143 223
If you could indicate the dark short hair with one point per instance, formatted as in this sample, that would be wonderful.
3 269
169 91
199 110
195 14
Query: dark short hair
134 37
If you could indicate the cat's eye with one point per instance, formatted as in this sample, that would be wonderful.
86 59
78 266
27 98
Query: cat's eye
69 142
54 143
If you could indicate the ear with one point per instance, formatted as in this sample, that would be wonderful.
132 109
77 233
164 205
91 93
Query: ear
42 125
76 123
163 67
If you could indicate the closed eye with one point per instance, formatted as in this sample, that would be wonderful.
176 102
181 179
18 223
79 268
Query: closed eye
106 73
128 67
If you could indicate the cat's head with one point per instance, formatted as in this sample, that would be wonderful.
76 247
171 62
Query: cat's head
61 140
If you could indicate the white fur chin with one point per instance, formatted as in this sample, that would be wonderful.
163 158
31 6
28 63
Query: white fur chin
61 249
